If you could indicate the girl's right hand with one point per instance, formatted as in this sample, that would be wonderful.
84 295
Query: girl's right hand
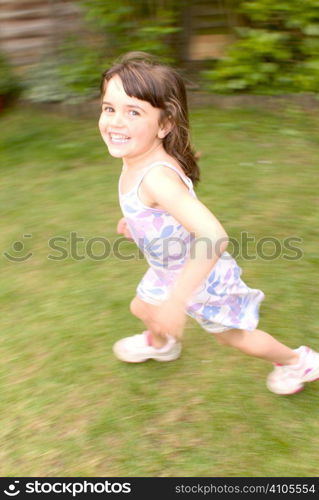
122 228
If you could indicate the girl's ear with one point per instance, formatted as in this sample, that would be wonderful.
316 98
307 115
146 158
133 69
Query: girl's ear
165 128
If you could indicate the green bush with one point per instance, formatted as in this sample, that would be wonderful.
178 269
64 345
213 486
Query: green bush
254 62
145 25
112 29
73 75
10 86
277 52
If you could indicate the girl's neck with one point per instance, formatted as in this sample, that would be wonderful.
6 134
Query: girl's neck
158 153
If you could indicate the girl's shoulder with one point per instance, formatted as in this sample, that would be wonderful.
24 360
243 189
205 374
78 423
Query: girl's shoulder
161 174
165 167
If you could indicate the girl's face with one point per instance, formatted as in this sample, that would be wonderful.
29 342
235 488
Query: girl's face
129 127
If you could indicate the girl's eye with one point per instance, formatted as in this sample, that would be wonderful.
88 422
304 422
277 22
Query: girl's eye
108 109
133 112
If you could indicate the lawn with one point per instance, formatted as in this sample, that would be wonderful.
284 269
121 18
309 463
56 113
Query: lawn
68 407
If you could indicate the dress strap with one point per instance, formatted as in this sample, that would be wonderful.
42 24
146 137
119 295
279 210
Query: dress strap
184 177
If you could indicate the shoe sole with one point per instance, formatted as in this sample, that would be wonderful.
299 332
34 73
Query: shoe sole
136 359
313 378
297 390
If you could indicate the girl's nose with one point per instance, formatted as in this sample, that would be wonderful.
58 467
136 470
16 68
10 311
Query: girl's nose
117 120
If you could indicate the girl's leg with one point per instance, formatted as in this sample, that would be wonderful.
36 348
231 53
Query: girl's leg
294 367
259 344
142 347
143 311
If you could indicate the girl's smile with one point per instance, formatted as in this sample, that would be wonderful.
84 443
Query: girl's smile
130 127
118 138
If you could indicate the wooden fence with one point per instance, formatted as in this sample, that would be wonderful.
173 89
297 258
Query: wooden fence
31 29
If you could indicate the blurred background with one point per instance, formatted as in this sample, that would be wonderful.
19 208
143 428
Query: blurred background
67 406
55 50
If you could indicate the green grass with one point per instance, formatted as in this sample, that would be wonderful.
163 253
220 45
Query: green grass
68 407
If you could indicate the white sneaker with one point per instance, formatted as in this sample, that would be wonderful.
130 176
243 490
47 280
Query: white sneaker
138 348
289 379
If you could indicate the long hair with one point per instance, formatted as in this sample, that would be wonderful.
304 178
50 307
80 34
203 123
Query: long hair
146 79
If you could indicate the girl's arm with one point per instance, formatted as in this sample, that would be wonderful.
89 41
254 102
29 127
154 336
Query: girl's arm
167 190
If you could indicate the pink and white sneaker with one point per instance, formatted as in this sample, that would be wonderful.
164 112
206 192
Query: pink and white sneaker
289 379
138 348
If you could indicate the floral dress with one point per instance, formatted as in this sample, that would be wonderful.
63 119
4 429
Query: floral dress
222 302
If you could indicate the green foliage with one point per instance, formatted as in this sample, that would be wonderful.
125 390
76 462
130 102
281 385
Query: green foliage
255 62
44 84
80 68
10 86
143 25
278 52
72 75
288 13
112 29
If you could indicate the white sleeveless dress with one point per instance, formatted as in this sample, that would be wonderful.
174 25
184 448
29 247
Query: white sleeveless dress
222 302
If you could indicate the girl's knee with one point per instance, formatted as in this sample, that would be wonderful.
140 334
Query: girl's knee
230 338
221 338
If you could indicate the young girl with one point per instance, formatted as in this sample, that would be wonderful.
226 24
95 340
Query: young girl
144 121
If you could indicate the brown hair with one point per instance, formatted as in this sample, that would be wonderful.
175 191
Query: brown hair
146 79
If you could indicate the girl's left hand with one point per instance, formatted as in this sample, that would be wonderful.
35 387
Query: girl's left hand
168 318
